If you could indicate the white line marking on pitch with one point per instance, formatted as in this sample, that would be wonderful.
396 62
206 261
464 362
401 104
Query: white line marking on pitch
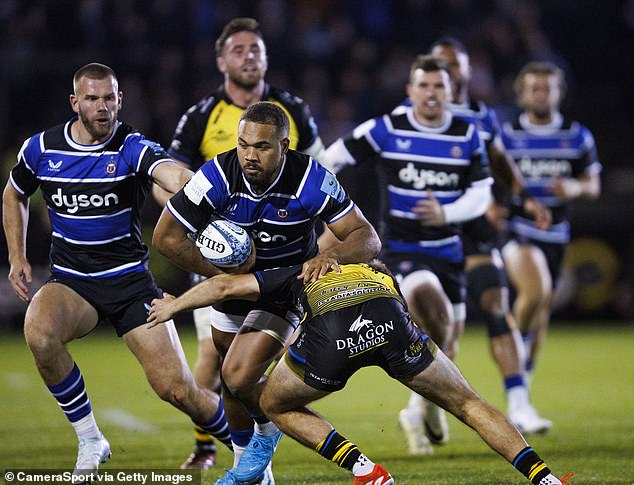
123 419
17 380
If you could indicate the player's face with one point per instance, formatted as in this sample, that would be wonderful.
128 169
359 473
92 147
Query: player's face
429 92
540 95
97 103
243 59
459 70
261 149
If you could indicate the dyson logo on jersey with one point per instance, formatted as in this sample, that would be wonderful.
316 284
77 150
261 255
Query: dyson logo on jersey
545 167
265 237
422 178
75 201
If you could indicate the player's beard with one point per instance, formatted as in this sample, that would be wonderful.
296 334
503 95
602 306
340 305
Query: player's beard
246 81
98 131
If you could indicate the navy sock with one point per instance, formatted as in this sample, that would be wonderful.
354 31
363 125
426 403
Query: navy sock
71 395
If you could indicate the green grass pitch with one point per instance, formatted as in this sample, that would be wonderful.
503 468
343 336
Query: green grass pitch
584 383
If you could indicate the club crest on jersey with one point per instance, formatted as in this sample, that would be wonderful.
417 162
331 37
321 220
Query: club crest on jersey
456 151
111 167
282 213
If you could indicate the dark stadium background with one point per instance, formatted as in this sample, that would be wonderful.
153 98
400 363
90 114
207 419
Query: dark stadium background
349 61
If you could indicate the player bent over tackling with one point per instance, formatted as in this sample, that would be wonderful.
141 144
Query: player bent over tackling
360 308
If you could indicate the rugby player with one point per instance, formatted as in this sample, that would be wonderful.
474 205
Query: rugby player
435 177
94 173
354 317
558 159
209 128
277 194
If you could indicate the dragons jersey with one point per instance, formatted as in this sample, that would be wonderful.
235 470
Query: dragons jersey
414 159
281 220
355 284
211 126
563 148
94 195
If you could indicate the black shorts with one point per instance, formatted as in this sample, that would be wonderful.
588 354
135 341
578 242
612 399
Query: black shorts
479 237
333 346
123 300
451 275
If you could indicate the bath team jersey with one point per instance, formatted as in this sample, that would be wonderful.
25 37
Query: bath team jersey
563 148
414 159
211 126
94 195
281 220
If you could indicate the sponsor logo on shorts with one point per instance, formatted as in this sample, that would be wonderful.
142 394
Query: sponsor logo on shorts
367 335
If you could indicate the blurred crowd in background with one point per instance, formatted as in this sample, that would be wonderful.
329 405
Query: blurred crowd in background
349 60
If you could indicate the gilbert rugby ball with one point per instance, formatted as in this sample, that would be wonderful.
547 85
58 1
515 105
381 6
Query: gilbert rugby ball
224 243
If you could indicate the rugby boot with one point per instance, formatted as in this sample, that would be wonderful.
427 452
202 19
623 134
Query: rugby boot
417 442
435 423
202 458
378 476
90 454
256 457
528 422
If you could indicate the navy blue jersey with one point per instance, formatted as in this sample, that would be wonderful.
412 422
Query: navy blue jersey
475 112
563 148
94 195
413 159
211 126
281 220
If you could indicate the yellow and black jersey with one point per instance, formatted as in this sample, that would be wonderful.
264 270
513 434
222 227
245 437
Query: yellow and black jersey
211 126
355 284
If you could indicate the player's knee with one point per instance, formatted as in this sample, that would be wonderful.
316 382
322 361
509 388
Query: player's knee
174 391
239 382
497 325
41 341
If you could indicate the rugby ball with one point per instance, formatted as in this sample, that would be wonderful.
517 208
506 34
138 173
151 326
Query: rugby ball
224 243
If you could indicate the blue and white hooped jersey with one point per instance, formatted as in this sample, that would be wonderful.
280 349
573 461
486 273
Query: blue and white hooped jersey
414 159
563 148
94 195
475 112
281 220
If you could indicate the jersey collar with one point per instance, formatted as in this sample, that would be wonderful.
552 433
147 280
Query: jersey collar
86 148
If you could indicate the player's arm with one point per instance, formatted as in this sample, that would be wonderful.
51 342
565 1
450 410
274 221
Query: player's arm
209 292
357 241
506 172
587 186
161 195
15 219
170 177
173 241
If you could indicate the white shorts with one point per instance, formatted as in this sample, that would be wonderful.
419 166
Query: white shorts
281 329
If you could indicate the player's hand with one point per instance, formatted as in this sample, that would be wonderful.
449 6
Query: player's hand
566 188
497 215
316 267
20 276
162 310
429 211
541 214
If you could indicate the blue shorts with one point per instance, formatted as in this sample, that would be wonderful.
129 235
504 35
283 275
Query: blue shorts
123 300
